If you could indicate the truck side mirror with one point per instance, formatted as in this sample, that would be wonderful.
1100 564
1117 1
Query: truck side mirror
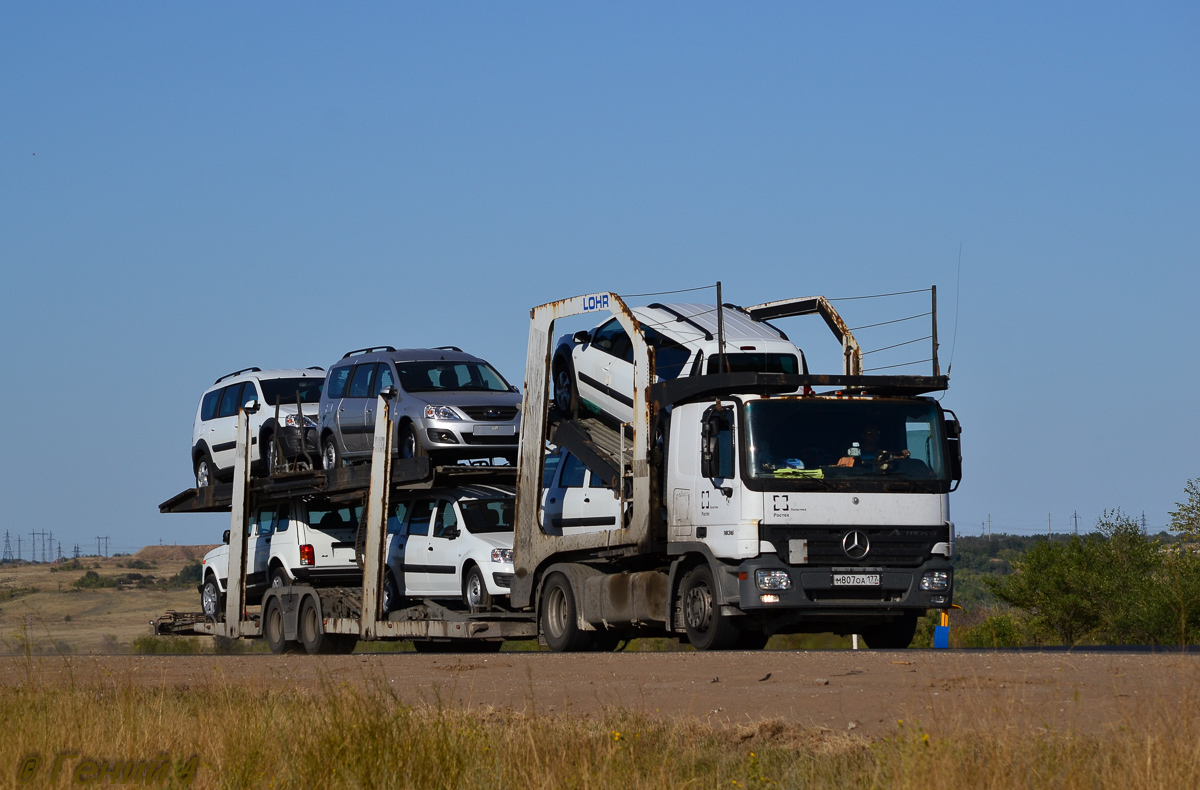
582 336
954 450
225 537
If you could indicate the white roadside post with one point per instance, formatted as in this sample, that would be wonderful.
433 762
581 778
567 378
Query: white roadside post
377 504
235 586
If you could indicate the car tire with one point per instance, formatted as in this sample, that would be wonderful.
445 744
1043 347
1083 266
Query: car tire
331 457
391 595
408 443
475 592
280 578
212 600
896 635
273 629
566 393
309 628
206 471
559 620
707 628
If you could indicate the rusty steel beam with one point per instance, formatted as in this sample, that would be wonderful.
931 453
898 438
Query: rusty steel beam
239 521
377 506
532 546
819 305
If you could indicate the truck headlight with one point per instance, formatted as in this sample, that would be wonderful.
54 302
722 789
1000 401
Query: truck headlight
502 555
773 580
935 580
293 421
441 413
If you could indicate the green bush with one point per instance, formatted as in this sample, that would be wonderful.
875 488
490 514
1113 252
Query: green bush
188 576
93 581
998 630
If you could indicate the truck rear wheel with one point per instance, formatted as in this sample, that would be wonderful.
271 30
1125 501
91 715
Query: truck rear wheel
309 629
560 622
895 635
273 628
707 628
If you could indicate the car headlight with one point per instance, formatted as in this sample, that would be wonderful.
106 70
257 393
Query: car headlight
441 413
502 555
773 580
936 580
293 420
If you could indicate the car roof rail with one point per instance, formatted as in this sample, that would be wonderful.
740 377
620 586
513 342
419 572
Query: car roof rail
681 317
237 373
448 348
367 350
756 319
315 367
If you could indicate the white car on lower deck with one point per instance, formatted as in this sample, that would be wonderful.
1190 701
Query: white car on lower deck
449 544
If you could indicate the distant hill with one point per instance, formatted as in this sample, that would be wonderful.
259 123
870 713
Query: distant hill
173 553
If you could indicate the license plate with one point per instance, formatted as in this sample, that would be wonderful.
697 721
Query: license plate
495 430
856 580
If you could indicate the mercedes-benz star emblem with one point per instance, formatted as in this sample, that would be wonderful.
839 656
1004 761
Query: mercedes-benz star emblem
855 544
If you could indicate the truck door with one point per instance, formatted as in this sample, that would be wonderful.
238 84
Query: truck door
417 548
716 498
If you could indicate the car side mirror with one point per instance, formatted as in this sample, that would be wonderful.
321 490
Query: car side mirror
388 392
251 406
710 444
514 388
225 537
451 533
582 336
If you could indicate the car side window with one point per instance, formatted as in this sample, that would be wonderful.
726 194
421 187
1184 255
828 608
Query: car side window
395 522
611 339
282 520
383 379
266 521
549 467
572 472
229 400
360 383
419 517
337 381
596 481
208 407
446 521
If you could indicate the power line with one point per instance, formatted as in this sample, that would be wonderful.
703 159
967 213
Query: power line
896 321
878 296
901 365
897 345
665 293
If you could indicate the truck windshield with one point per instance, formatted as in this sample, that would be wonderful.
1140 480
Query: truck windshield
283 391
817 439
487 515
453 376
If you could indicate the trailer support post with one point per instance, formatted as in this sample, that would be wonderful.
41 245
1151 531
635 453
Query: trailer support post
235 583
377 506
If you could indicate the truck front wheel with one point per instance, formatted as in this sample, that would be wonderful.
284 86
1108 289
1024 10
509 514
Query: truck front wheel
707 628
560 622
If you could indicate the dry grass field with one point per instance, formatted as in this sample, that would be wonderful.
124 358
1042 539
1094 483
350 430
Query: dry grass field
66 619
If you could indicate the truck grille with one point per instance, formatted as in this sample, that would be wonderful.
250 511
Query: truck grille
489 413
904 547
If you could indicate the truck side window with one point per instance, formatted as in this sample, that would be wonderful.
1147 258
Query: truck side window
716 443
446 521
337 381
418 520
572 472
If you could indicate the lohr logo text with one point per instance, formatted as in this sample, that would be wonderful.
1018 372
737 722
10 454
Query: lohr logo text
69 767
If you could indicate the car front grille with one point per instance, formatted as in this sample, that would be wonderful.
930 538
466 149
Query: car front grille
904 547
470 438
503 579
489 413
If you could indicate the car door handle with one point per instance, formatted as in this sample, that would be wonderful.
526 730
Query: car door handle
585 499
341 408
430 548
553 500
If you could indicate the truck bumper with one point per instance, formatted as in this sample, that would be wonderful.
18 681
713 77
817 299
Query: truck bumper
813 591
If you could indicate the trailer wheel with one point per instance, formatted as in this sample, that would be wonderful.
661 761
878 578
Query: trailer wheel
560 623
707 628
309 629
273 628
895 635
211 599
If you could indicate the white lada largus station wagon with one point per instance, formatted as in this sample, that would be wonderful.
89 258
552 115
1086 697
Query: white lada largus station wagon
214 431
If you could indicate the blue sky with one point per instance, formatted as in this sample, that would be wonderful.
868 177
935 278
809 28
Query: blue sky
187 189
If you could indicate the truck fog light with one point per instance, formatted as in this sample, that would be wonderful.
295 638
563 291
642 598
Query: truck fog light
937 599
770 598
773 580
936 580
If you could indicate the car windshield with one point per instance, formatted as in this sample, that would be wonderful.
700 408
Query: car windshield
744 362
283 391
487 515
818 439
443 375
